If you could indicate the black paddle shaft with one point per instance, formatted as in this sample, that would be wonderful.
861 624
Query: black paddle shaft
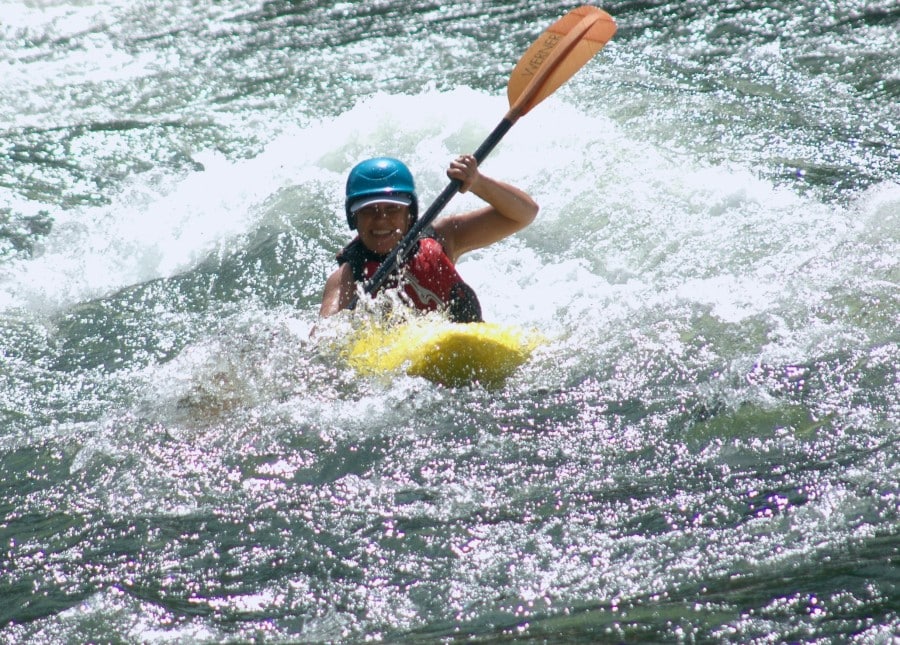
400 253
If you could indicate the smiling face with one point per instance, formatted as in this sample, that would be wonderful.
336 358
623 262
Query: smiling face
382 225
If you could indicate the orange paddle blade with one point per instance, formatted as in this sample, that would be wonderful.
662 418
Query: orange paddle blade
555 57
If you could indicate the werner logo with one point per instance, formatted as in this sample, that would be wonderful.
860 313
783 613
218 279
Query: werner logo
547 46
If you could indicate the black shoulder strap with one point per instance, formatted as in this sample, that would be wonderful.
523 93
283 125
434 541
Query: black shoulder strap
357 255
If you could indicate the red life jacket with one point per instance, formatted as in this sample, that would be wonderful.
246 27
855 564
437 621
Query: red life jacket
429 278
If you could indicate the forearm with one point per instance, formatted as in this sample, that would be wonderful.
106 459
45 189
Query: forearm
509 201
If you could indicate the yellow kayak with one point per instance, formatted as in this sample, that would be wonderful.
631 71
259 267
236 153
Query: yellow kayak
444 352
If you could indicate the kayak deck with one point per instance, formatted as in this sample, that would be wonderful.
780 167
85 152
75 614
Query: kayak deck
449 353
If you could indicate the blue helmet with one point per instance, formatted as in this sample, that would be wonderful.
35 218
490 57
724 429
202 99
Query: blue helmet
380 177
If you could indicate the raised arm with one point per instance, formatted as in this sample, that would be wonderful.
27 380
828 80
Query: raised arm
509 210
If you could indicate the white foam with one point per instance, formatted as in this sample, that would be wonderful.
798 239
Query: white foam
615 211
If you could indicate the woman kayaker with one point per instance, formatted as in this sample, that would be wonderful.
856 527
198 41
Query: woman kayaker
381 205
